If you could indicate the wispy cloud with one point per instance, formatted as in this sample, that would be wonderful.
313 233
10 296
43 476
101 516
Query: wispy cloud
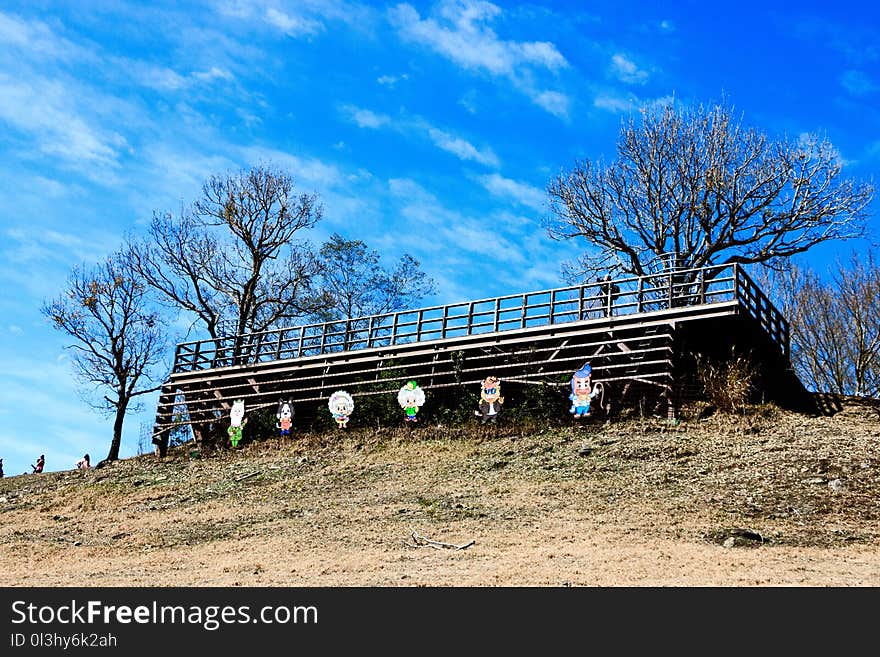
519 192
391 80
462 148
364 118
502 250
858 83
614 103
554 102
461 32
44 109
292 24
441 138
298 18
165 79
626 70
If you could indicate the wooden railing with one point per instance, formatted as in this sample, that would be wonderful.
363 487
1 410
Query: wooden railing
620 297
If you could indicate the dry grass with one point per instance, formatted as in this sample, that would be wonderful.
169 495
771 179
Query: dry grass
768 498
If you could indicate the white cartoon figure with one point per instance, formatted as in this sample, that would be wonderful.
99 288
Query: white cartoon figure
341 406
285 417
237 421
411 397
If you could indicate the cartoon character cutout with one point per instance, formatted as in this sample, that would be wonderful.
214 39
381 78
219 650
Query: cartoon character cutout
411 397
490 400
583 392
237 422
341 406
285 417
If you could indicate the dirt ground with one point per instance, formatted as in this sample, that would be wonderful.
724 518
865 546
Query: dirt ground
766 499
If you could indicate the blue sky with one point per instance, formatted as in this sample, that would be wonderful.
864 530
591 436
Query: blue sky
426 128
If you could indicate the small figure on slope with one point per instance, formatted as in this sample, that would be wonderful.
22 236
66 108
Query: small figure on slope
341 406
490 400
237 422
583 392
411 397
285 417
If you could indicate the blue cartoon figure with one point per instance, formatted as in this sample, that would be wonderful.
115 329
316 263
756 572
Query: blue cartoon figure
583 391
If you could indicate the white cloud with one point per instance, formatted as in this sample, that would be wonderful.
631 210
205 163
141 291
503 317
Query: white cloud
627 71
554 102
614 103
299 17
214 73
465 244
461 33
858 83
629 103
469 102
37 40
24 247
391 80
164 79
365 118
462 148
293 25
44 110
442 139
467 40
519 192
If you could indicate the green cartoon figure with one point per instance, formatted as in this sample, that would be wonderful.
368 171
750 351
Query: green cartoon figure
237 422
411 397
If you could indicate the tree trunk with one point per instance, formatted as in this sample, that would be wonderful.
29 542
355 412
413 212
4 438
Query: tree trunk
113 455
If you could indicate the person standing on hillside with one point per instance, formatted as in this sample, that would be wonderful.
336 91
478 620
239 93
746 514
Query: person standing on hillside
39 465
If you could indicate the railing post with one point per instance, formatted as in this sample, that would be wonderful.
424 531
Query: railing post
640 294
443 323
323 337
525 308
278 346
370 333
177 352
302 335
703 286
470 319
552 305
497 315
669 301
257 346
736 290
582 314
393 339
419 325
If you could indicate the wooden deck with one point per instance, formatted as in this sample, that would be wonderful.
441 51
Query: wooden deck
531 338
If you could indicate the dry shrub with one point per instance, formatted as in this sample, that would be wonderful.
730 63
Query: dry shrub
728 383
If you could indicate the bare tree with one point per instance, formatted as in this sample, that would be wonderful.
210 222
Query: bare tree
233 258
835 324
358 285
117 336
699 185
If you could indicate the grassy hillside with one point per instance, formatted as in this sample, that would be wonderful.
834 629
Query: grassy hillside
766 498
